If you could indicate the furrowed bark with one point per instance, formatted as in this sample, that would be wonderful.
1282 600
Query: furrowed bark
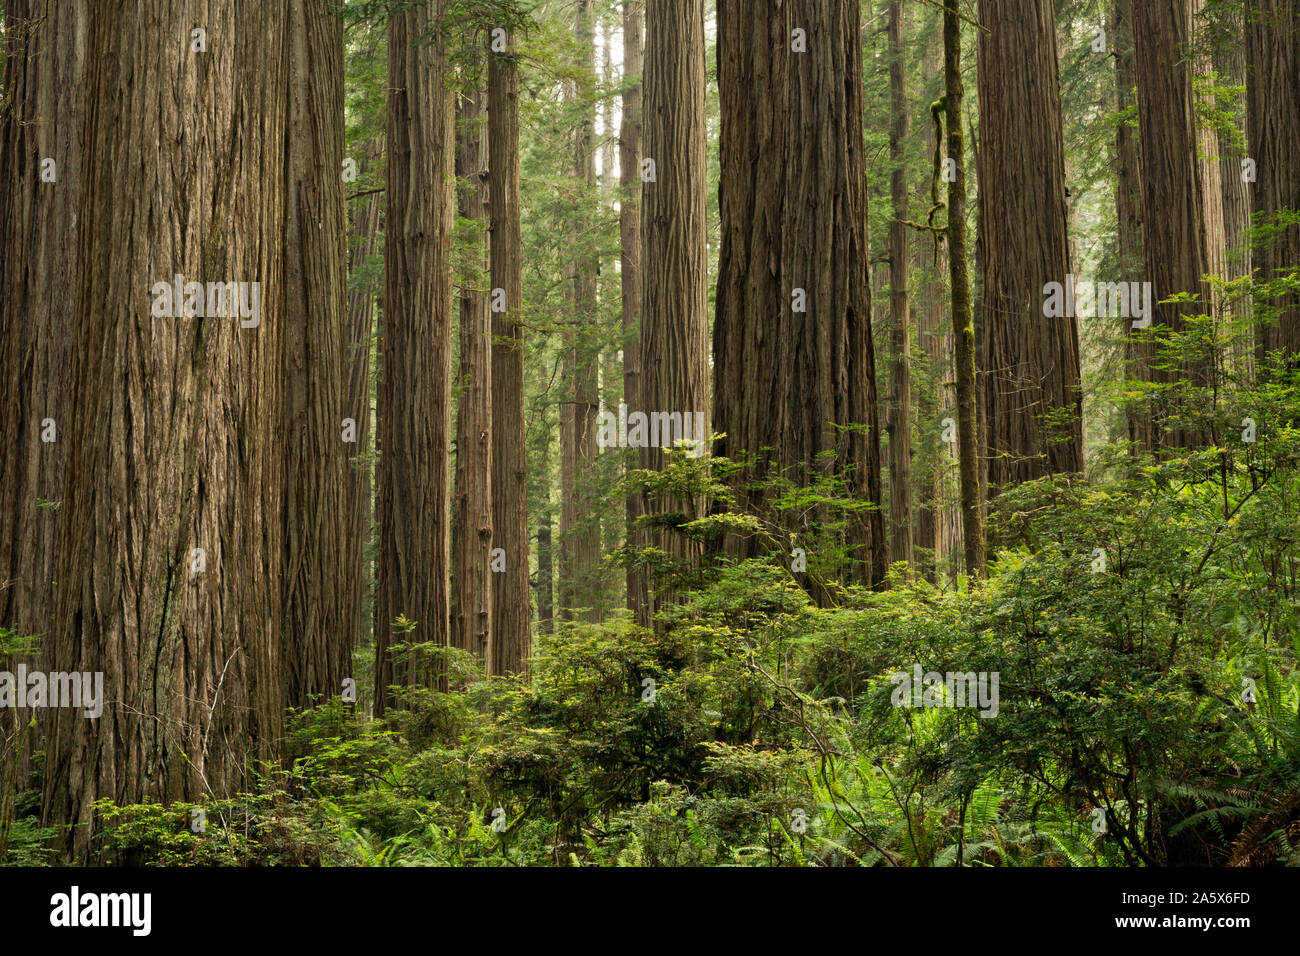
173 444
1031 389
629 228
963 323
472 587
415 342
321 614
511 613
674 338
794 209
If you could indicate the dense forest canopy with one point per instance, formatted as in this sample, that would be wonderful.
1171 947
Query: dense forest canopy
679 432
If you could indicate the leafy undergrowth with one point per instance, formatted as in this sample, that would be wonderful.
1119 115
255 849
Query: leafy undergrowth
1142 626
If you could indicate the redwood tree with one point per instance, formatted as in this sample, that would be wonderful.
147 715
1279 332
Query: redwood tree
1031 391
963 319
321 613
579 521
1128 213
364 212
415 344
511 613
472 523
169 562
793 357
900 426
629 228
1229 48
674 341
41 171
1273 135
1173 224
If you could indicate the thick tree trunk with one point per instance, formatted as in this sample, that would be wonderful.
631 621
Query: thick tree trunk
1273 132
963 322
40 122
365 212
44 108
321 612
629 228
1032 396
579 521
1215 253
174 443
1173 224
415 388
472 587
511 613
900 427
793 354
674 346
1138 352
1230 62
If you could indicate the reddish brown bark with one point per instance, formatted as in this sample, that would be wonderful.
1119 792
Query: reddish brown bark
321 613
900 423
1173 219
511 613
629 228
674 337
794 210
472 588
579 520
415 344
1033 403
1273 132
174 443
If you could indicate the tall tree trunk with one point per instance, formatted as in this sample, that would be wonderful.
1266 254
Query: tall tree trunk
1215 253
472 559
938 514
963 321
579 521
173 446
1273 132
363 244
610 390
629 229
1230 62
321 614
42 135
900 427
511 613
674 347
1173 224
415 388
40 122
793 354
1138 352
608 145
1032 396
